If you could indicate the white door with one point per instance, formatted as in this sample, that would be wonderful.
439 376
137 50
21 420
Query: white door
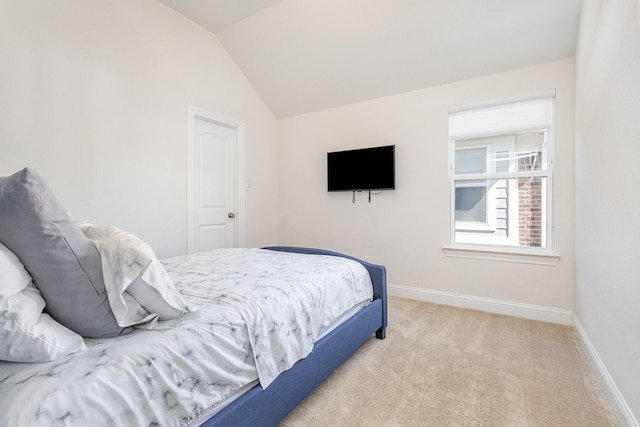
212 204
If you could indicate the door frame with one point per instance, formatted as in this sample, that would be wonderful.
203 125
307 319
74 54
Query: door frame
237 126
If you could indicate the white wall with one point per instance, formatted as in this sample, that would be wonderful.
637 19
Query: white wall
94 95
406 229
607 200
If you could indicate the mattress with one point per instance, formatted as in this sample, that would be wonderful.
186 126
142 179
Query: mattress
260 311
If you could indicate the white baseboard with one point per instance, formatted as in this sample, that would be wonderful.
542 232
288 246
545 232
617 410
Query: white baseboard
526 311
619 404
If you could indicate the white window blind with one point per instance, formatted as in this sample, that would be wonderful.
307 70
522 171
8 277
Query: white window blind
505 118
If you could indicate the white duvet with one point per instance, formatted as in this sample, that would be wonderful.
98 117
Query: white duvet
261 311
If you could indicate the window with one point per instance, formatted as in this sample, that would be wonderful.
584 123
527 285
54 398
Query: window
500 165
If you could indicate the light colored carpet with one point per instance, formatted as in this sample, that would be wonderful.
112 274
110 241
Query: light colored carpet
446 366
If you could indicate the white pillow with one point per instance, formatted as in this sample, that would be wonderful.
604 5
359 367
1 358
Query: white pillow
140 291
26 333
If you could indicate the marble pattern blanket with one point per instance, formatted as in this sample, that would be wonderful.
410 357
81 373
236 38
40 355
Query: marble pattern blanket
261 311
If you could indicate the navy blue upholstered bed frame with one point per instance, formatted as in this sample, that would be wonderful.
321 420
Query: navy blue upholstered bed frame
267 407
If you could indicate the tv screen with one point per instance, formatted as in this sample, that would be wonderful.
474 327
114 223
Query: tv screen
364 169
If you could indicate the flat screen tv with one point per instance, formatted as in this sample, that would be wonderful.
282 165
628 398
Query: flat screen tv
364 169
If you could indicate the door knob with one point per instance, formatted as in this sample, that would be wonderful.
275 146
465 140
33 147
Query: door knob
231 215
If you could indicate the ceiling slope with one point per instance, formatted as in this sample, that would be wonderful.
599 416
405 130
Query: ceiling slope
308 55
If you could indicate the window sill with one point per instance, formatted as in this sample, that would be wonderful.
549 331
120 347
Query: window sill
494 253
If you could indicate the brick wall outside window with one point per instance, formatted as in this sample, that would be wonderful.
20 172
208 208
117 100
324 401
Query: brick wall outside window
530 202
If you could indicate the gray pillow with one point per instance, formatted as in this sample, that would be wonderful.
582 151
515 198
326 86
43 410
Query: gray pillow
64 264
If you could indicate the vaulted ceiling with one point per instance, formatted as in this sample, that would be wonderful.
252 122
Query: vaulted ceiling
308 55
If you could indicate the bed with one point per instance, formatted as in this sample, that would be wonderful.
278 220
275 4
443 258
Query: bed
165 359
269 406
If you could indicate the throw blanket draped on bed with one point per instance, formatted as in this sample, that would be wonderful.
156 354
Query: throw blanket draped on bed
278 302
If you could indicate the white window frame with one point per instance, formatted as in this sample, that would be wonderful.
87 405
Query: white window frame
537 255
